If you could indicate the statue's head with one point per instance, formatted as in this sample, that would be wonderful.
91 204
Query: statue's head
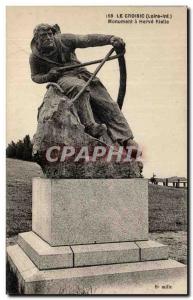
44 36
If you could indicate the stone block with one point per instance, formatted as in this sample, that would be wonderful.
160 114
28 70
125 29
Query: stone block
103 254
125 278
42 254
45 256
78 211
151 250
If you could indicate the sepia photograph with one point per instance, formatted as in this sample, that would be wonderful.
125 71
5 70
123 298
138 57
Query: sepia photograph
96 150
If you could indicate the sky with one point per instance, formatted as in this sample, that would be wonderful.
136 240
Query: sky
155 104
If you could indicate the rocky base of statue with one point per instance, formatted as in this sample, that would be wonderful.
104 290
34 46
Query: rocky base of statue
60 132
92 170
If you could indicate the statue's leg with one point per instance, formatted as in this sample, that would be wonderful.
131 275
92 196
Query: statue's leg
71 86
110 113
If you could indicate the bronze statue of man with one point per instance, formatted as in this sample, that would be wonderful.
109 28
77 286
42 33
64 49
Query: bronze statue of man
51 49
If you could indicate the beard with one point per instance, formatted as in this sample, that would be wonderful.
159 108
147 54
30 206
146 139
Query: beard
46 46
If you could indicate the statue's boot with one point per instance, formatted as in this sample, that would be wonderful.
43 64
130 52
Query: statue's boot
86 116
96 130
133 147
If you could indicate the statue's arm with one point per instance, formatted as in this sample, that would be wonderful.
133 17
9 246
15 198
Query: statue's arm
36 74
88 40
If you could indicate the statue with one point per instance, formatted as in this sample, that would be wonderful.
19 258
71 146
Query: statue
77 109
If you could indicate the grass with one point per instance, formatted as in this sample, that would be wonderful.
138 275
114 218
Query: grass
19 195
167 208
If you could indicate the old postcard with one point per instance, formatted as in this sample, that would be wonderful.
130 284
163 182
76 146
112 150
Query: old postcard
97 150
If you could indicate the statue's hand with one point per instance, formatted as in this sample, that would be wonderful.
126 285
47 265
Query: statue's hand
54 74
118 44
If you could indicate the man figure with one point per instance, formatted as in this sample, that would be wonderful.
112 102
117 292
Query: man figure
50 50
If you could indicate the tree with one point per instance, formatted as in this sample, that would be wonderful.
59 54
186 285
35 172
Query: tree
27 151
20 150
11 150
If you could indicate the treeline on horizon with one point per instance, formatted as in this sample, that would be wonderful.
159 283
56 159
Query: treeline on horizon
22 149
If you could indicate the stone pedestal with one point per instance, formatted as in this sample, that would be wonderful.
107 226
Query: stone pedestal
91 236
79 211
